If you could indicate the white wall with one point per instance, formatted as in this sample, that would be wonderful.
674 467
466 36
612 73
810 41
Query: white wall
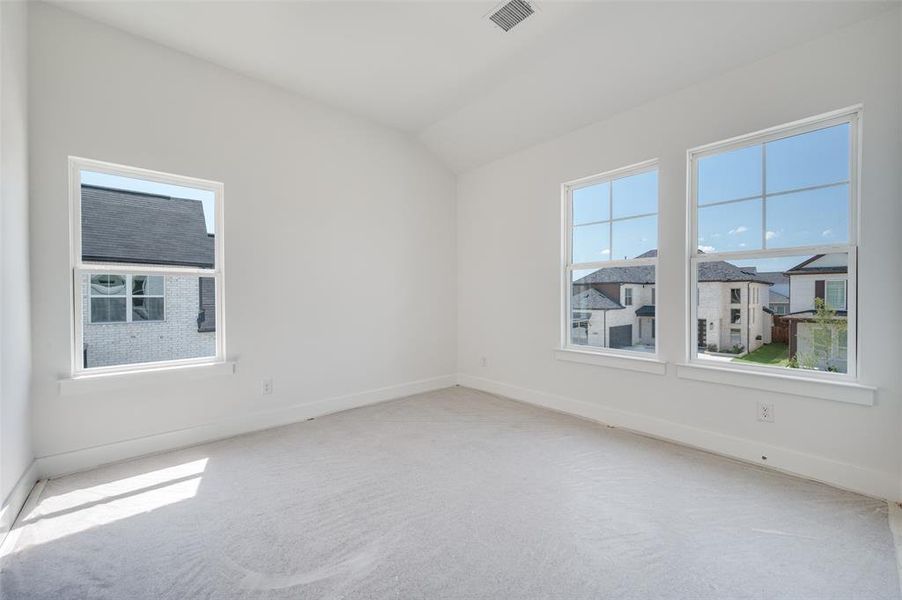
509 246
15 413
339 238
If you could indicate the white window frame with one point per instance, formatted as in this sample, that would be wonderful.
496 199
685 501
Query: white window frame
568 266
129 296
852 116
79 268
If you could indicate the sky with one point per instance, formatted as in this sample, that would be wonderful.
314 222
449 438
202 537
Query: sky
800 218
795 216
628 197
139 185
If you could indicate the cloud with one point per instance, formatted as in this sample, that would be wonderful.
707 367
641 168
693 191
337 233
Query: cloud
707 249
827 233
742 245
606 251
740 229
716 235
771 235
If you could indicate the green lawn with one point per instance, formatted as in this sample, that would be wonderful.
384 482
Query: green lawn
768 354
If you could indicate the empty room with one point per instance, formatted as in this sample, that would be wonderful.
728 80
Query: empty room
425 299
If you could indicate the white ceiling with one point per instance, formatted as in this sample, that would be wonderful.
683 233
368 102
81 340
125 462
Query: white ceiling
441 71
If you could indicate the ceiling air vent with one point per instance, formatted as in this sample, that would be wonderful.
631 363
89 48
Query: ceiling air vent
511 14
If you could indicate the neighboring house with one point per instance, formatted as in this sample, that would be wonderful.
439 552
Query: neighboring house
779 304
824 276
779 291
138 318
614 307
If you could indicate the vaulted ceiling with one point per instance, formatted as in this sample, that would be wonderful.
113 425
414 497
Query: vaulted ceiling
471 92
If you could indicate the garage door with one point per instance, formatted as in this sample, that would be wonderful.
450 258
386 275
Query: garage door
621 337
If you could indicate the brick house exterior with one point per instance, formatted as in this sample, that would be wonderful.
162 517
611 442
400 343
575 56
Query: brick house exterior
614 307
823 277
137 228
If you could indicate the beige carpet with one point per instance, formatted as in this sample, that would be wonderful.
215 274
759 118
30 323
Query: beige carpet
451 494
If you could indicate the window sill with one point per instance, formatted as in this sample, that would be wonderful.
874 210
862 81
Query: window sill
838 391
614 361
100 382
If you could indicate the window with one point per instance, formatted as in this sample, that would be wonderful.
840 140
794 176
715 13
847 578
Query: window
775 206
146 267
126 298
610 257
836 295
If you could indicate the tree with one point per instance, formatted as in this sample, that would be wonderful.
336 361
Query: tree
822 327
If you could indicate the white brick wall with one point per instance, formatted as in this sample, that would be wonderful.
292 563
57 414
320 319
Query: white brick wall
626 316
714 306
175 337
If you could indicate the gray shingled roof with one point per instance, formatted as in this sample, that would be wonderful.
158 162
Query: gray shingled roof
720 270
642 274
803 268
778 298
717 270
775 277
647 310
592 299
134 227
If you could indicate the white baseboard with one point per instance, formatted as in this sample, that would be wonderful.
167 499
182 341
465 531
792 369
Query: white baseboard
16 499
79 460
838 474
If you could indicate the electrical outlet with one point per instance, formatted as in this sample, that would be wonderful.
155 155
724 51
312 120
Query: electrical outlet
485 362
266 387
766 412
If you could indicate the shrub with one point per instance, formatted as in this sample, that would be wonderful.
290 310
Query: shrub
712 347
737 349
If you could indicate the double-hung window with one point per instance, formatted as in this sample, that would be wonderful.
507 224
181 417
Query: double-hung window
147 268
610 258
779 205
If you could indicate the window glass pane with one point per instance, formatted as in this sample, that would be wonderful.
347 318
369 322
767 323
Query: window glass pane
591 243
599 317
147 309
127 220
591 203
107 310
794 328
730 227
815 158
815 217
730 175
143 285
150 328
634 237
636 195
107 285
836 295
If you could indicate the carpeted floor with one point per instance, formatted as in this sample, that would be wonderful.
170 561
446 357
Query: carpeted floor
451 494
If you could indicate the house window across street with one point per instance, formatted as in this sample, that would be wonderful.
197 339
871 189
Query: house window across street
126 298
773 219
610 259
146 268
